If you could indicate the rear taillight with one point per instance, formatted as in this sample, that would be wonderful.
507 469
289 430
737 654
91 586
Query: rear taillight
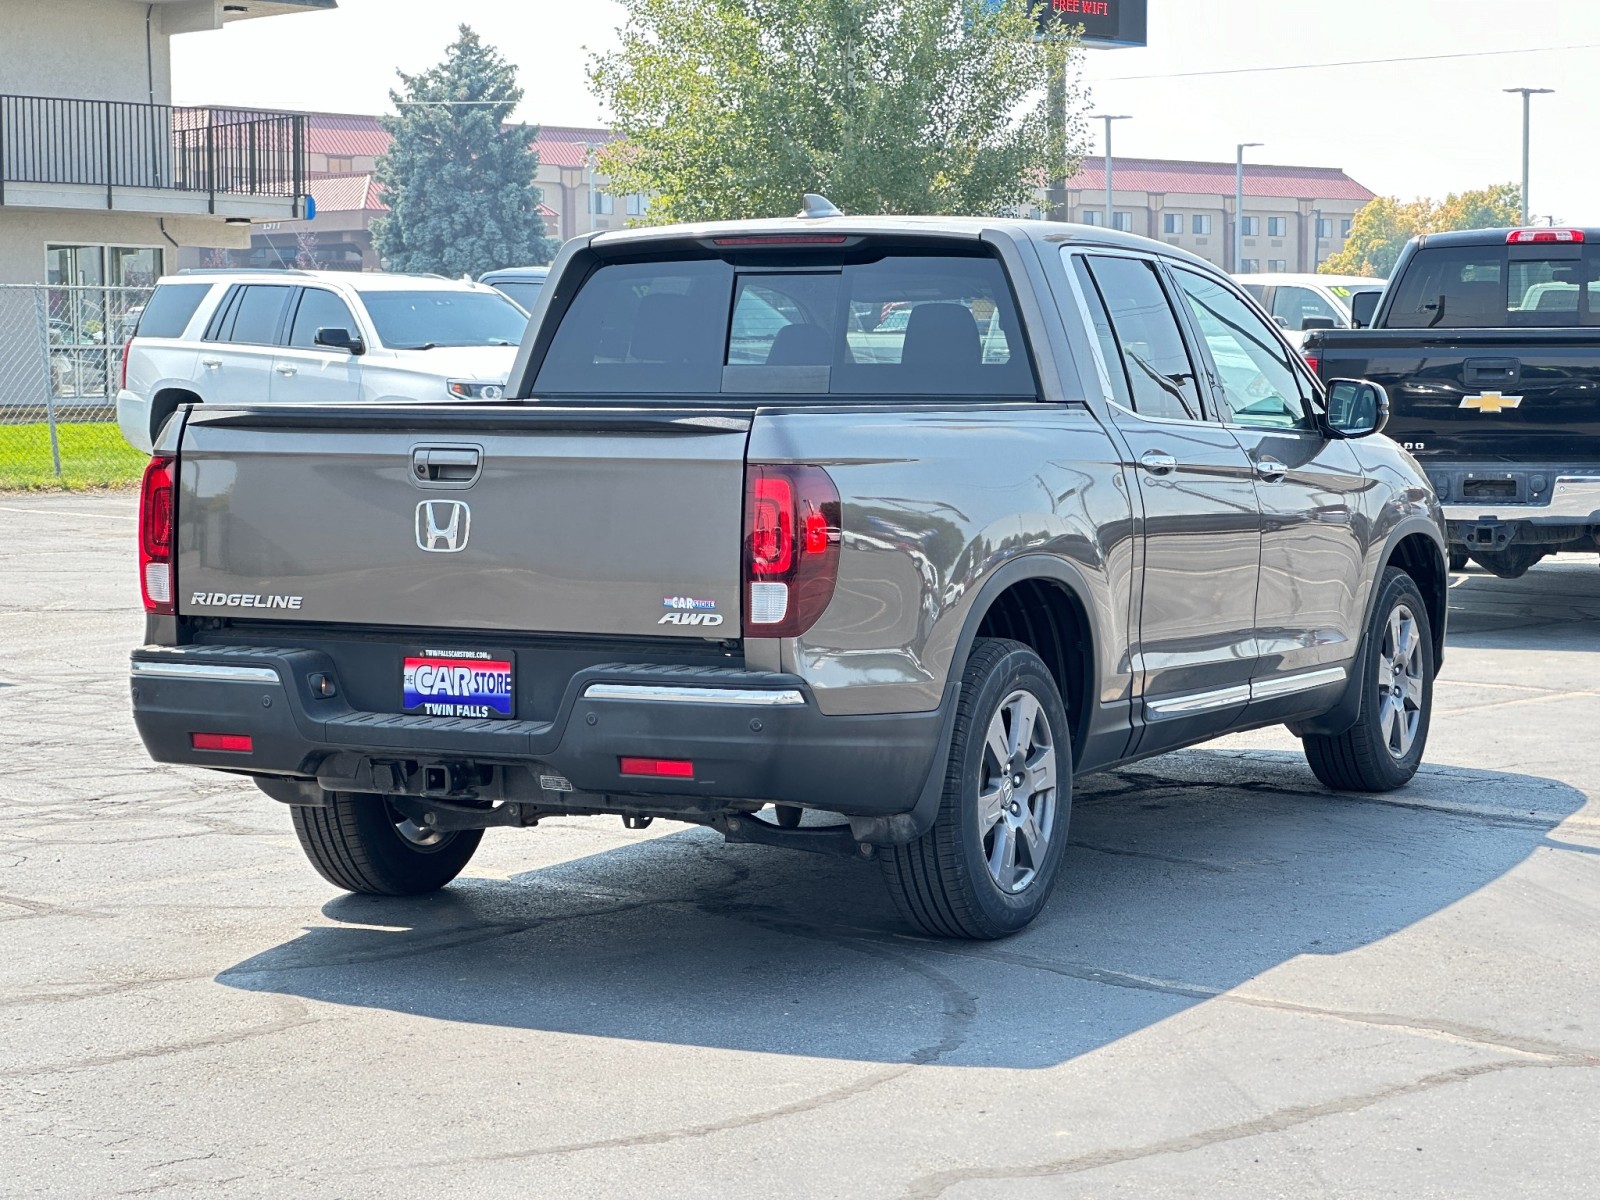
1540 237
792 526
1313 362
156 512
127 349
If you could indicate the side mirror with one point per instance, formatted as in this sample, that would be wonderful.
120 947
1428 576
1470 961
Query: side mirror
1356 408
1279 321
341 339
1363 307
1317 323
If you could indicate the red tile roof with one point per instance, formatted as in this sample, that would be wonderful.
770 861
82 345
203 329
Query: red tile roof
345 135
355 136
1211 179
567 146
346 193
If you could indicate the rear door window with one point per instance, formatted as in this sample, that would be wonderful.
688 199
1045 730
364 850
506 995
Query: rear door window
1160 374
256 315
898 325
170 309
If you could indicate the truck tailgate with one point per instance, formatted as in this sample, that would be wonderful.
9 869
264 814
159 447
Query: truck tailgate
589 520
1480 394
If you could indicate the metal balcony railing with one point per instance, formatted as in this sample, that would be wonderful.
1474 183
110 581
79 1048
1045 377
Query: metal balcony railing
112 144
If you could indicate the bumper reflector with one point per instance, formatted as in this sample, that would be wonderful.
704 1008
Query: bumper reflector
671 768
232 743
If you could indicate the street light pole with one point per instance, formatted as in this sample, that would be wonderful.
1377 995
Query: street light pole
1238 205
1527 95
1108 120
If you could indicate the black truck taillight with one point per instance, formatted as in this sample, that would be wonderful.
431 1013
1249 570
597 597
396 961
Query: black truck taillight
157 512
792 531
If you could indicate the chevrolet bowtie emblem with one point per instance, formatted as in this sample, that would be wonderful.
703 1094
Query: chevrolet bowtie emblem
1492 402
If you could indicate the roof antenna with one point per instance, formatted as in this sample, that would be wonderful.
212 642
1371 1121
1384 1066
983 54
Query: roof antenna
819 206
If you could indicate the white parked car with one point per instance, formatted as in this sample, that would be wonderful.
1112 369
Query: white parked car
1301 302
313 336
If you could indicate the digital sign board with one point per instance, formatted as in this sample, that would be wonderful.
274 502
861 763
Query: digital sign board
1105 22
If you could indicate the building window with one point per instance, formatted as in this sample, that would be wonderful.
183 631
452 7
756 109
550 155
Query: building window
601 204
95 296
1277 265
1092 216
1201 225
635 204
1250 266
1122 221
1277 226
1249 226
1324 227
1171 222
340 164
1344 228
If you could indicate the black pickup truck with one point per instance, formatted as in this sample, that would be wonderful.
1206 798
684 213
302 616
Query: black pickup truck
1488 342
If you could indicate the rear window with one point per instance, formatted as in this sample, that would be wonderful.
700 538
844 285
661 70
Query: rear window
1496 287
897 325
170 309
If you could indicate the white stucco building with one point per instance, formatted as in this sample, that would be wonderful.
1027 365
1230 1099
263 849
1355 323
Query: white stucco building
102 179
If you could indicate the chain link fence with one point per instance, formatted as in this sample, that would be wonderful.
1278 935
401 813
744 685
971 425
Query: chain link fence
60 369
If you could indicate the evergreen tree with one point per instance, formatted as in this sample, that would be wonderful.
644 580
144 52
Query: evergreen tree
458 179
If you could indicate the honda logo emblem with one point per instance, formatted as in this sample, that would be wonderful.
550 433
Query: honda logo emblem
443 526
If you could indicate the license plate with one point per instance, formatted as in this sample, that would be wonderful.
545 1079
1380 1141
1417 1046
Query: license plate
460 683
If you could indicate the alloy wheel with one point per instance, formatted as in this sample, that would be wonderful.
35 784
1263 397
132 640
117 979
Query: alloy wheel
1017 792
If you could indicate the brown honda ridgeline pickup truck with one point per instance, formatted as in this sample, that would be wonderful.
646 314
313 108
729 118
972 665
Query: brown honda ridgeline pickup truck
904 521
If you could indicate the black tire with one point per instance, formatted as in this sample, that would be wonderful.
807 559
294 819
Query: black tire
1459 560
943 882
362 844
1373 755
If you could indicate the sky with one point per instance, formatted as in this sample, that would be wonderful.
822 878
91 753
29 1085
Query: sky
1406 128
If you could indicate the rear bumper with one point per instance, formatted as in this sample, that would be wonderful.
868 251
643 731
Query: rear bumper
1571 500
752 737
133 419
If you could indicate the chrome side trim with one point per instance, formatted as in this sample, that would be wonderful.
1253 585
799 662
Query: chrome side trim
206 671
666 693
1574 499
1178 706
1290 684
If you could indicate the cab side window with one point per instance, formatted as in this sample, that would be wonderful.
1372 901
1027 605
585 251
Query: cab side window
1160 376
1255 371
319 310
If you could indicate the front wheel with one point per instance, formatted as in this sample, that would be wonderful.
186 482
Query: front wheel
362 843
987 866
1383 749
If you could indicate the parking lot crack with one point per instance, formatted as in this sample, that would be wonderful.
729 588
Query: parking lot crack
934 1185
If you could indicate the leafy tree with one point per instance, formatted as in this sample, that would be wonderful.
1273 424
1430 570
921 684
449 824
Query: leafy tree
459 179
1489 208
1382 229
733 108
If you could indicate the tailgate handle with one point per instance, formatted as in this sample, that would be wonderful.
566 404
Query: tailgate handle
459 465
1493 371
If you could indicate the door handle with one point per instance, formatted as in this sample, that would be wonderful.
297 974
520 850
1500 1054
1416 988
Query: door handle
286 370
1271 470
446 464
1158 463
211 364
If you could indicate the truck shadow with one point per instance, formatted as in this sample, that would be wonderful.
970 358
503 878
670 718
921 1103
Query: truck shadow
1187 876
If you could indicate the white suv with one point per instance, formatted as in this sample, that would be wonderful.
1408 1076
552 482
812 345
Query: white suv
313 336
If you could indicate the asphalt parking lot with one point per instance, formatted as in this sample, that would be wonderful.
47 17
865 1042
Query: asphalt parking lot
1247 986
